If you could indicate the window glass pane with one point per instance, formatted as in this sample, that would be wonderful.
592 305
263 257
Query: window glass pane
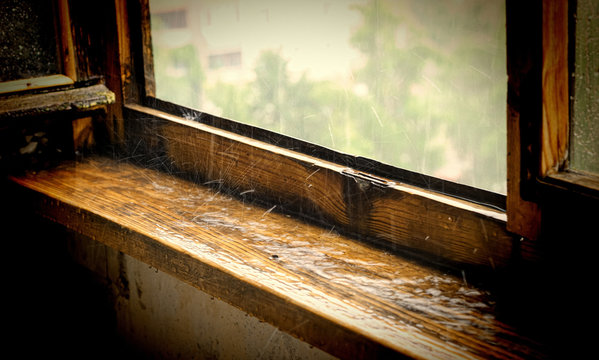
585 113
417 84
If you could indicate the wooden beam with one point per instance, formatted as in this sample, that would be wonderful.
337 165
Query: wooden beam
524 102
66 40
556 117
338 294
147 49
537 142
83 134
396 215
124 70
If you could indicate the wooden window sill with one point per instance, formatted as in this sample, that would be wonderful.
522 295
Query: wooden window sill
583 183
85 98
336 293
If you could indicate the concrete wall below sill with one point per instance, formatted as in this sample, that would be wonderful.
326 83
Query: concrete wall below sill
165 318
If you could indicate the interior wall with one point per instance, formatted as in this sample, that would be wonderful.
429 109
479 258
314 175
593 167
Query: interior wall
165 318
71 297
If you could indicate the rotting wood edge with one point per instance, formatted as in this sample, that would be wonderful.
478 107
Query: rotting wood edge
78 99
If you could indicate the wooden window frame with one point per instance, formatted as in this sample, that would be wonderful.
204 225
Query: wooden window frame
76 86
539 136
390 207
499 232
66 103
67 61
558 65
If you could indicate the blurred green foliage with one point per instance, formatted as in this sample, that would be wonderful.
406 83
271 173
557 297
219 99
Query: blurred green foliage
435 99
179 75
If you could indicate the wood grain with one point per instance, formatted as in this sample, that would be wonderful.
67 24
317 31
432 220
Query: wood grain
555 87
66 40
524 217
334 292
83 134
387 212
148 56
524 104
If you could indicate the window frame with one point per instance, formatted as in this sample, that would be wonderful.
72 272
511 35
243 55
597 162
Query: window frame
373 166
138 89
442 215
558 68
539 174
67 74
76 93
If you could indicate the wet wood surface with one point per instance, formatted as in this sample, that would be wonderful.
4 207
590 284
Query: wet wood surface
396 215
332 291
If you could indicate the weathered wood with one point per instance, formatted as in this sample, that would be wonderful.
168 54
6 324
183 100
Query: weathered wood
97 56
523 217
148 56
581 183
524 56
556 117
393 214
78 99
34 83
134 39
67 49
83 134
336 293
537 143
124 49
